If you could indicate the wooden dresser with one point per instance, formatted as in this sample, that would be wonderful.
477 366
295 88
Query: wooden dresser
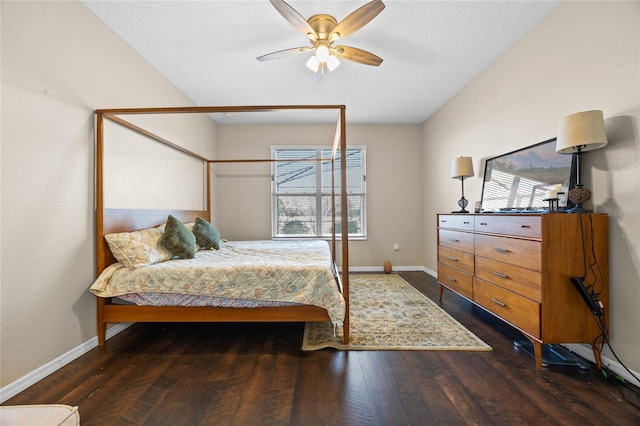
517 267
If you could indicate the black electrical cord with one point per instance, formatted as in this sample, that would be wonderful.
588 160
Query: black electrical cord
598 345
600 317
593 266
617 379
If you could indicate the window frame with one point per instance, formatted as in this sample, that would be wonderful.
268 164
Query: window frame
318 194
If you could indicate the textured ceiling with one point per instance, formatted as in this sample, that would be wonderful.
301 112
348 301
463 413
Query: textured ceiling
431 50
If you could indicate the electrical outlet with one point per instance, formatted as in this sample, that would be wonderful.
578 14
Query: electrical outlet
396 247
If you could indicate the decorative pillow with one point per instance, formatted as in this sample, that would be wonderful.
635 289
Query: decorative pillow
189 226
138 248
164 225
206 235
178 239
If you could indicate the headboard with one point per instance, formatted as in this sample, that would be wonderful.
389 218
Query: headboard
126 220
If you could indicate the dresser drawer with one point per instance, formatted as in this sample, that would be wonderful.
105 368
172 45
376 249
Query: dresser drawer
456 280
457 240
519 280
456 259
519 311
524 253
520 226
454 221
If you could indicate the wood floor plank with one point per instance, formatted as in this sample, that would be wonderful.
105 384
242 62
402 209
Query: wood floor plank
306 406
427 369
406 389
357 406
337 385
252 404
498 397
470 409
229 401
380 387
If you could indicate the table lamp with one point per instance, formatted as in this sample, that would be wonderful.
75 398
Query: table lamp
578 133
461 168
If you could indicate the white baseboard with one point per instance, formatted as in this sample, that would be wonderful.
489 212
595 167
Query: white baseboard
14 388
363 269
381 269
586 353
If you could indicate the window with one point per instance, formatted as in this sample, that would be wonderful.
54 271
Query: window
301 192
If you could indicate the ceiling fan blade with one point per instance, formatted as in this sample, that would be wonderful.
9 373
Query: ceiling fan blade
282 53
294 18
357 19
357 55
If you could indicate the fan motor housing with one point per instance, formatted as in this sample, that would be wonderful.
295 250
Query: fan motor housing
322 24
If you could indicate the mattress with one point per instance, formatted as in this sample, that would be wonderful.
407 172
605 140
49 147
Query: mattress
289 271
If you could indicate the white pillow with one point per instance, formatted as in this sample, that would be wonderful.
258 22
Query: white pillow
137 248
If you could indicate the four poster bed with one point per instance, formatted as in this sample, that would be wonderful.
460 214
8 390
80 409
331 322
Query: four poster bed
231 281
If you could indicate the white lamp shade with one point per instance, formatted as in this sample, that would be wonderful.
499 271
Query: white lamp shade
332 62
461 167
313 64
322 53
582 129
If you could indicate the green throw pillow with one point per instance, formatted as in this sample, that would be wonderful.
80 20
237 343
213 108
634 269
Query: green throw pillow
206 235
178 239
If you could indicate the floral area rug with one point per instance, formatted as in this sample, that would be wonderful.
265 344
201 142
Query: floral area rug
387 313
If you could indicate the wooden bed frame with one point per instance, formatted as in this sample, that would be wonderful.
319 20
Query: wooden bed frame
124 220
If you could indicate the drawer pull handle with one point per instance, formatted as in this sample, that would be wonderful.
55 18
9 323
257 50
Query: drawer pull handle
451 279
497 302
466 223
443 221
483 223
453 259
526 226
501 250
498 274
454 240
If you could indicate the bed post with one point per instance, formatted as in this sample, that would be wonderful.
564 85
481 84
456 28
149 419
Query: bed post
99 206
208 186
344 221
102 326
333 213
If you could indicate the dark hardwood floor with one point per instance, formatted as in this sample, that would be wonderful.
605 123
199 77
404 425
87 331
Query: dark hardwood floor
256 374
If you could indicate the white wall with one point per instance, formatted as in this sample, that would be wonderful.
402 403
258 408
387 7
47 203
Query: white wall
584 55
59 64
394 188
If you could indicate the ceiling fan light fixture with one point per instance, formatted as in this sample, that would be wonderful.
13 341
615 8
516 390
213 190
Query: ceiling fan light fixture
332 62
313 63
322 53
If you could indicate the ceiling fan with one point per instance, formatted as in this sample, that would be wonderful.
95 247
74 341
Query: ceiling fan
323 31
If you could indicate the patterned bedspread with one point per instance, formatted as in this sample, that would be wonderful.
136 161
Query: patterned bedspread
296 271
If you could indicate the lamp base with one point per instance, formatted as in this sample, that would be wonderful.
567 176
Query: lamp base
462 203
578 209
579 195
463 211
